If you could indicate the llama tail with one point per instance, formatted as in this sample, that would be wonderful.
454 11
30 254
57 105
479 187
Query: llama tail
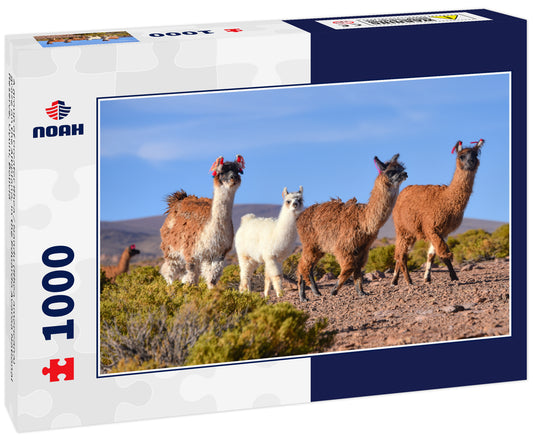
175 197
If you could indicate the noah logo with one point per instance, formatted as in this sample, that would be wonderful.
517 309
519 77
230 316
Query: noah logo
58 111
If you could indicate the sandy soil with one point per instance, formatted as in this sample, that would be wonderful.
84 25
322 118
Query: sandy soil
475 306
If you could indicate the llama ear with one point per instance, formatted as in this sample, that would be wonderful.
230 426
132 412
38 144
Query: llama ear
301 190
395 158
216 166
457 147
240 162
379 165
479 144
284 192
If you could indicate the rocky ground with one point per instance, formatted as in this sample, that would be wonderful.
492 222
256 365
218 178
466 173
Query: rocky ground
475 306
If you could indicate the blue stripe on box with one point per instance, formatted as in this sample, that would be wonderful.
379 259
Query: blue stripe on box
498 45
415 368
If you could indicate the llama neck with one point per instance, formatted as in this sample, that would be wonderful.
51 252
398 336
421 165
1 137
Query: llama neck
222 206
286 224
380 205
124 262
460 188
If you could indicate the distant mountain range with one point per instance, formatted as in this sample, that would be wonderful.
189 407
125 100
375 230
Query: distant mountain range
115 236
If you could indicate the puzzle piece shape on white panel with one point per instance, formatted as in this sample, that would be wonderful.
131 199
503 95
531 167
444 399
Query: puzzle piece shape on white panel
41 210
84 400
166 399
66 420
237 75
36 217
97 59
264 53
133 58
292 72
66 188
240 386
35 404
175 71
197 54
266 400
35 64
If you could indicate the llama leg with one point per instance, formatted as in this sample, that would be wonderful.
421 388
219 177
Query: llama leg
247 267
429 263
305 266
401 254
360 262
301 289
347 269
267 284
312 283
278 287
170 270
273 275
211 271
192 273
444 253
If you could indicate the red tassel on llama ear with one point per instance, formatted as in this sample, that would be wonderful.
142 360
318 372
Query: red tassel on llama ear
132 247
240 161
479 143
213 169
458 147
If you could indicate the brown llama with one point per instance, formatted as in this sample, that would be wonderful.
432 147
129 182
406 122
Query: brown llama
198 232
347 230
432 212
112 272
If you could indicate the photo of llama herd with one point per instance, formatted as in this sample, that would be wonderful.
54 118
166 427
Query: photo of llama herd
86 38
226 264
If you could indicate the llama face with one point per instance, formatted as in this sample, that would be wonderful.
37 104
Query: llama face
393 170
293 201
228 175
133 251
467 159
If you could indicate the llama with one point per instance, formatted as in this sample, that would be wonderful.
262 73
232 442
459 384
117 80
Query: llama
198 232
347 230
269 241
432 212
112 272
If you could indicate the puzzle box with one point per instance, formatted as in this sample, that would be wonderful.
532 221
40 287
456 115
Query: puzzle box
136 271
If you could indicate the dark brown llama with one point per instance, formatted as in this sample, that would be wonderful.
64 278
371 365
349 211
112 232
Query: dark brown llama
347 230
432 212
112 272
198 232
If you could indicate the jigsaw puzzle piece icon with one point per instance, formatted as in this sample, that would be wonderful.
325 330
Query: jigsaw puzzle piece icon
55 369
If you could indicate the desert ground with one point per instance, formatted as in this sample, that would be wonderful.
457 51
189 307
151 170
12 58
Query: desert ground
475 306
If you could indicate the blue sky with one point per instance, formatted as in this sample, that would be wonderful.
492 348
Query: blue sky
321 137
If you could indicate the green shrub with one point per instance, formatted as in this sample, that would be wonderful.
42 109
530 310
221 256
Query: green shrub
418 255
472 245
380 258
269 331
290 266
104 281
147 324
500 239
326 264
231 276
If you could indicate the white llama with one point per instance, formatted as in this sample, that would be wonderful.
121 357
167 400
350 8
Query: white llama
268 241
